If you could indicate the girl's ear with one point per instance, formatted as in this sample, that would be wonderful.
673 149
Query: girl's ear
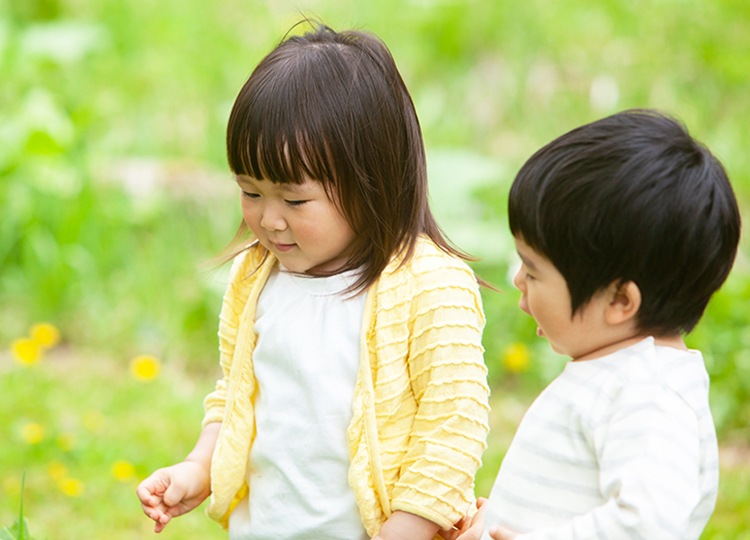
625 301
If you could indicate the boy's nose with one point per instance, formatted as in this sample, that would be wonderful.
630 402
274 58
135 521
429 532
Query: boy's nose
518 280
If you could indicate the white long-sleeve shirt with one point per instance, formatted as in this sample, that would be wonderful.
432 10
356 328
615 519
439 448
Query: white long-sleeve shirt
620 447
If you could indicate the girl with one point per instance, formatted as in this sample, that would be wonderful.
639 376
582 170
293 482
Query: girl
353 402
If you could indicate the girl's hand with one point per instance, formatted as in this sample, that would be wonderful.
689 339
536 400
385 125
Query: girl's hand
458 528
501 533
173 491
468 529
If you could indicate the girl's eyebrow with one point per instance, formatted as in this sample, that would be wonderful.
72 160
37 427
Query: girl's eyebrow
242 179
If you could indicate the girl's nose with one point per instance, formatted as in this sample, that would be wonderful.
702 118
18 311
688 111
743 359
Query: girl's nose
272 220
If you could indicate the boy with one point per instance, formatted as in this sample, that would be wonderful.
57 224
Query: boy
625 228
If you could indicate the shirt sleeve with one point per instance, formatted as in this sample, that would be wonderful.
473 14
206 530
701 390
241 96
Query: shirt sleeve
449 381
648 447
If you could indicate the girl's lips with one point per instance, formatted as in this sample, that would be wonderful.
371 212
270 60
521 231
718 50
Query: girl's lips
283 248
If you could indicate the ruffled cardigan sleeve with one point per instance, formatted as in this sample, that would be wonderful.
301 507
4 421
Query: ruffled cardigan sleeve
420 405
420 417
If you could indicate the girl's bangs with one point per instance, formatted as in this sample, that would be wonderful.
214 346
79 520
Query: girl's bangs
278 137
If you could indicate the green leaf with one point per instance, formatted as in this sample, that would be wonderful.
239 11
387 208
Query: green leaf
21 523
48 125
63 42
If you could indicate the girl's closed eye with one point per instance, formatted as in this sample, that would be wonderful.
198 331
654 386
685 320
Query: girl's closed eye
295 202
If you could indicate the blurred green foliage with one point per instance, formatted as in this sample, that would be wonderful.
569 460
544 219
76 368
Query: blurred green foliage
113 184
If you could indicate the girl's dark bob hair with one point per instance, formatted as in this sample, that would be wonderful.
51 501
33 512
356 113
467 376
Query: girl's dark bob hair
332 107
631 197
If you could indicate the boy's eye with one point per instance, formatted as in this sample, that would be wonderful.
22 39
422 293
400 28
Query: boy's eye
250 195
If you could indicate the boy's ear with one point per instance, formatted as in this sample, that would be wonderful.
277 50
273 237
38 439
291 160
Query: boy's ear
625 301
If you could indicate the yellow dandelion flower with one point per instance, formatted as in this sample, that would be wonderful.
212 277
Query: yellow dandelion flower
45 335
145 367
65 442
57 471
32 433
123 471
26 351
71 487
516 358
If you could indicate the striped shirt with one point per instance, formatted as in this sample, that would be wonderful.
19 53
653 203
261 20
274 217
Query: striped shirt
620 447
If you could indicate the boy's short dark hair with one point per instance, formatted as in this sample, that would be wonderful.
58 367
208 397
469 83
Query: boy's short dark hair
631 197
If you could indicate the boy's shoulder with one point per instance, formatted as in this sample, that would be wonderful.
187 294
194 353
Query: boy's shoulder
643 360
644 368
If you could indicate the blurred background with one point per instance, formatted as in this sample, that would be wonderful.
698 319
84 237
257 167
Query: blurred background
114 190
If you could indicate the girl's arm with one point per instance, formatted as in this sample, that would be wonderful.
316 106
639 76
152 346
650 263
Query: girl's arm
406 526
449 380
176 490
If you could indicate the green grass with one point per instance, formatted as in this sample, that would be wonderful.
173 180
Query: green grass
20 528
94 415
89 427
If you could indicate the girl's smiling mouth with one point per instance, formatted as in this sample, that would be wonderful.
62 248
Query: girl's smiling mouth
283 248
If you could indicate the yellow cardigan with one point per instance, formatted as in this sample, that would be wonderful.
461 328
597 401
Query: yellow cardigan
420 404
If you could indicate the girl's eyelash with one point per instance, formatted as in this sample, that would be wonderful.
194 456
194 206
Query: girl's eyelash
293 202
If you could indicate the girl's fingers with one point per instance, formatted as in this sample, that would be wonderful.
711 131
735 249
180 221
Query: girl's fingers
154 514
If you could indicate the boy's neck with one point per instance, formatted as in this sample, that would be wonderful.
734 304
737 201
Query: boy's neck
675 342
